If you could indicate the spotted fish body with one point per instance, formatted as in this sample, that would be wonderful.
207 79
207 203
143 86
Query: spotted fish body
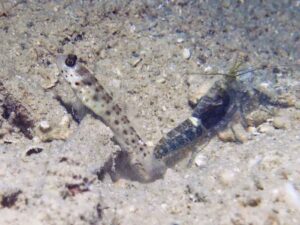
93 95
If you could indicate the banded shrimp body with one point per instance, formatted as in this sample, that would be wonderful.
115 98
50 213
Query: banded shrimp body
230 99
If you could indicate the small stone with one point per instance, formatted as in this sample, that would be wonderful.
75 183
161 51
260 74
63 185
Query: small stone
150 143
201 161
60 132
227 177
272 220
164 206
240 133
208 69
195 95
226 135
115 83
180 40
292 196
132 208
44 125
254 161
287 99
103 54
136 61
65 121
161 80
280 123
252 130
257 117
186 53
266 128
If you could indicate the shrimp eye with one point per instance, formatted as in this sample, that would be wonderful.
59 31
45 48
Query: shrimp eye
71 60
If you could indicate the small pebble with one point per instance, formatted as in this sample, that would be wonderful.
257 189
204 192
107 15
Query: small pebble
44 125
208 69
287 99
180 40
186 53
136 61
65 121
292 196
240 133
132 208
115 83
150 143
254 161
161 80
164 206
280 123
227 177
257 117
266 128
194 96
253 130
226 135
201 161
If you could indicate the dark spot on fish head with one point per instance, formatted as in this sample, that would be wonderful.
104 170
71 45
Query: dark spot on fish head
125 132
107 113
117 122
71 60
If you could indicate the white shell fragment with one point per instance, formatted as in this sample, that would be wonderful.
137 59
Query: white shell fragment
201 160
186 53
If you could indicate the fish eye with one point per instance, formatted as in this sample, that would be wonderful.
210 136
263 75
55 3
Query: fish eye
71 60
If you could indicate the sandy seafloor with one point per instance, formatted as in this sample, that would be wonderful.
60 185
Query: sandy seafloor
143 52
